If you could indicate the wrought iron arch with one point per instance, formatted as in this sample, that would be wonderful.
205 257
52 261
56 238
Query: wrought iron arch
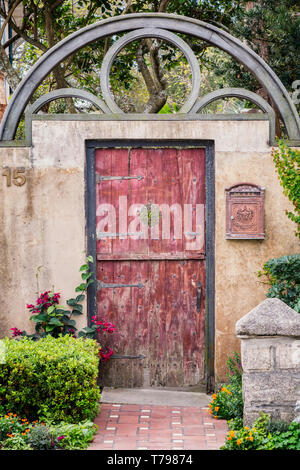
241 93
55 95
169 22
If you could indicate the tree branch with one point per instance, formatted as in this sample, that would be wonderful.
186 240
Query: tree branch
9 15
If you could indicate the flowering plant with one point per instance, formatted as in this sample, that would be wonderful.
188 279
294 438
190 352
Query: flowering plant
100 325
54 319
227 403
243 439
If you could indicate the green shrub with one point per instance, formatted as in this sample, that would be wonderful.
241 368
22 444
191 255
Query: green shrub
74 436
283 277
265 434
285 440
228 403
19 434
287 163
52 379
39 438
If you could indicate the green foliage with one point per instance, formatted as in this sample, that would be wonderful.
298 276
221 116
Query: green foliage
283 276
39 438
19 434
16 442
228 403
53 378
74 436
265 434
287 163
286 440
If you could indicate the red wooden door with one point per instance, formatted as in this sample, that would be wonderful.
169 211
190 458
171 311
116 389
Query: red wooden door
150 213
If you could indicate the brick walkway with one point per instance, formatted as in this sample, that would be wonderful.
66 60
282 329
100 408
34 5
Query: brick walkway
154 427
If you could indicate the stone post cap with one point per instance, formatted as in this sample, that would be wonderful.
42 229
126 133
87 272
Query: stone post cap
272 317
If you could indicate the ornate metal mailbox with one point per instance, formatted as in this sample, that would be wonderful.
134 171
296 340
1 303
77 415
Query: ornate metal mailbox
245 211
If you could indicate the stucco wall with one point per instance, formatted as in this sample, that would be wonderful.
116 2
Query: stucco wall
43 221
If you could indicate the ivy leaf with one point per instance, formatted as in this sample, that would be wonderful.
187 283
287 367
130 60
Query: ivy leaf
84 267
80 298
80 288
85 276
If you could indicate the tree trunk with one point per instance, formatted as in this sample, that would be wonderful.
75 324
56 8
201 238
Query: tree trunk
7 70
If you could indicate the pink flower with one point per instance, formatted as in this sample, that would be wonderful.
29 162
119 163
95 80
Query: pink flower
16 332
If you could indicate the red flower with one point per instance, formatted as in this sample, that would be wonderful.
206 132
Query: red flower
105 354
16 332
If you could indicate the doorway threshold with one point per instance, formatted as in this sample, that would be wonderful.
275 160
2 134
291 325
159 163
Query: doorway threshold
154 396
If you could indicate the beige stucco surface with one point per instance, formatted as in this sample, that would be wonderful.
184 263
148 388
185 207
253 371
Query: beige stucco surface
43 222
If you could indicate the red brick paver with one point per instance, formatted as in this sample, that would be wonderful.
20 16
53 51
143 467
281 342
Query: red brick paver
154 427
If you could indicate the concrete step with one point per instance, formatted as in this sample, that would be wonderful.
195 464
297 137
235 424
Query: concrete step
141 396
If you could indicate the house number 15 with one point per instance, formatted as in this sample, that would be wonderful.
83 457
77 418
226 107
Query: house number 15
15 176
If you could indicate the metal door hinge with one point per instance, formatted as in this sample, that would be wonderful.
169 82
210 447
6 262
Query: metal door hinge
111 234
103 285
116 356
100 178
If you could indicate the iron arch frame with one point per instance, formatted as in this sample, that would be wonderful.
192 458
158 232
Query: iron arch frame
170 22
241 93
55 95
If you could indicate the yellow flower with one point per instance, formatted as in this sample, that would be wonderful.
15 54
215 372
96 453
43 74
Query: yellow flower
229 438
214 396
217 408
251 438
239 441
232 433
246 427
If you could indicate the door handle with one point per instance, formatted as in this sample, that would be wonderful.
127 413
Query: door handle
199 292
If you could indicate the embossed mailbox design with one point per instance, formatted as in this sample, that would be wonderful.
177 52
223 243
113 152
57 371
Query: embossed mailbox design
245 211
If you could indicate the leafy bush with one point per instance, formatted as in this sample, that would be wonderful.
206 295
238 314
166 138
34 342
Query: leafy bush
228 403
74 436
53 378
283 277
19 434
39 438
286 440
265 434
287 163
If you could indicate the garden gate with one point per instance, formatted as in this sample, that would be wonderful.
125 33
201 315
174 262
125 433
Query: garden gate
155 279
150 228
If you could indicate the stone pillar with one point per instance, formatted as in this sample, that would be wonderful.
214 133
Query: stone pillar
270 351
